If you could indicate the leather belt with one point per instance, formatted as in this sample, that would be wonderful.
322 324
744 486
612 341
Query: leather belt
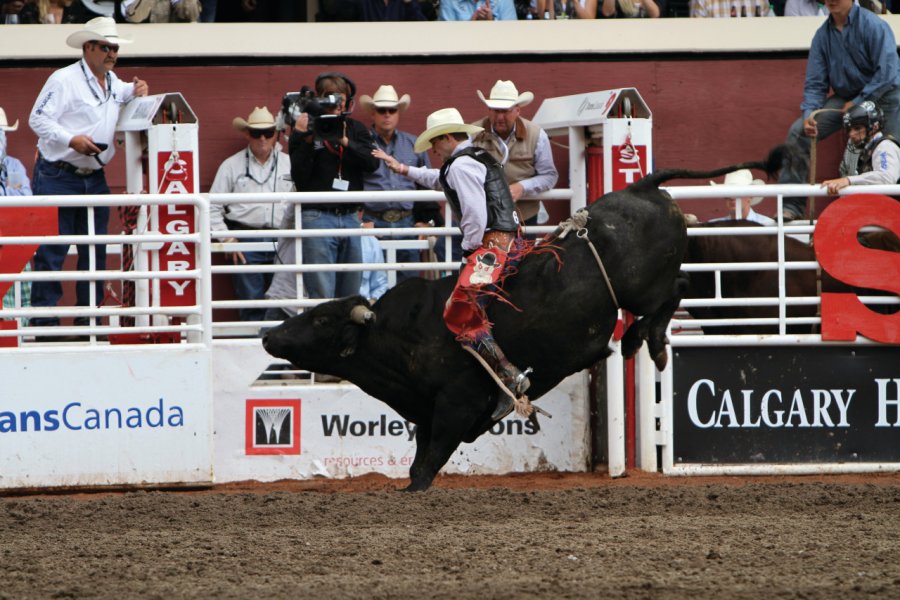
391 215
70 168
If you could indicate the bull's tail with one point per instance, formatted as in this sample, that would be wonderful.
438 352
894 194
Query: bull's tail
773 163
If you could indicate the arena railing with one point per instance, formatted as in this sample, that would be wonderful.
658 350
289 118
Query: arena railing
683 325
191 323
295 201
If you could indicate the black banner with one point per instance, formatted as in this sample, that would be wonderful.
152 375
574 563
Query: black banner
797 404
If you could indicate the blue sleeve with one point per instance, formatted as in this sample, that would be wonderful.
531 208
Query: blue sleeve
504 10
883 52
16 182
815 87
448 11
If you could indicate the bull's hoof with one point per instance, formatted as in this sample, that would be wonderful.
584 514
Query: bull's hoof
661 360
417 486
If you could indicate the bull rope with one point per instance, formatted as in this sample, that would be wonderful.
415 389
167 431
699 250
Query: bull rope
811 211
522 404
811 205
578 223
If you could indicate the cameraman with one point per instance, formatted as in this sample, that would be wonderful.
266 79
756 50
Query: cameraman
331 155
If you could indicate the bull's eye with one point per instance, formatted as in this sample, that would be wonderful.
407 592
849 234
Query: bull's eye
320 321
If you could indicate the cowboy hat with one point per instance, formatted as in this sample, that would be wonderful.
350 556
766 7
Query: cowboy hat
260 118
4 124
504 96
385 97
99 29
440 122
743 177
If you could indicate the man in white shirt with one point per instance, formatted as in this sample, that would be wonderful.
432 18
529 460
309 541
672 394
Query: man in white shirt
477 191
260 167
879 160
75 118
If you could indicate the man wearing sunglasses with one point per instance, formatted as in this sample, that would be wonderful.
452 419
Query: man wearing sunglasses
260 166
75 118
385 108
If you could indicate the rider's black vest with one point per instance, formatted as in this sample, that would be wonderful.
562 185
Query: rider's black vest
865 159
501 209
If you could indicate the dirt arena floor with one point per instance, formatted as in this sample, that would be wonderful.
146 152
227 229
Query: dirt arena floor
529 536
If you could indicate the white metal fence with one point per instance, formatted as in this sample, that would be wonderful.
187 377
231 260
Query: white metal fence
191 322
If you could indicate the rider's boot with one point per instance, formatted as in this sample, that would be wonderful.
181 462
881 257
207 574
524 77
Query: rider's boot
515 380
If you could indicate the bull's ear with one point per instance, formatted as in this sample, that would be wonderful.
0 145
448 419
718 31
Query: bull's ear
349 339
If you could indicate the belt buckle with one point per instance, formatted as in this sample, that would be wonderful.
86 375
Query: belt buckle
82 172
392 215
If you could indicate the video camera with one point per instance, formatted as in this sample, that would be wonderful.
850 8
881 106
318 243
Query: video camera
326 127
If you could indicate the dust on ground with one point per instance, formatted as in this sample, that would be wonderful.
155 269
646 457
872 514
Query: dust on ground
544 535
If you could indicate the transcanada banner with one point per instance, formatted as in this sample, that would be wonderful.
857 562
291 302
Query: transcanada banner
810 404
106 417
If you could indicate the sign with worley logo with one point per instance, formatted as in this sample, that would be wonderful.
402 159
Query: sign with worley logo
267 432
108 417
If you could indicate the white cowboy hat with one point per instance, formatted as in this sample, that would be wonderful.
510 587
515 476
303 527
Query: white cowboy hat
385 97
440 122
504 96
743 177
99 29
4 124
260 118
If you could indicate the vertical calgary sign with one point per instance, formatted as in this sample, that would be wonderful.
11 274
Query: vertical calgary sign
176 176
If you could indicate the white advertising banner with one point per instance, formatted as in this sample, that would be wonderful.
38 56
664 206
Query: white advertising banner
282 430
105 417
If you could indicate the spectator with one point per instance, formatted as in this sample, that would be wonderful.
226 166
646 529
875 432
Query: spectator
631 9
161 11
803 8
567 9
374 283
13 182
13 176
208 11
10 11
519 145
325 161
389 10
853 53
477 10
75 118
724 9
879 159
385 108
260 167
743 177
474 185
51 12
97 8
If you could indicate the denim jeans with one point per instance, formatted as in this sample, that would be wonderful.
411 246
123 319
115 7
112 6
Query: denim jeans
329 251
829 123
402 255
253 286
51 181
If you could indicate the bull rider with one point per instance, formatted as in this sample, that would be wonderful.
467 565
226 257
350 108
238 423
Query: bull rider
474 185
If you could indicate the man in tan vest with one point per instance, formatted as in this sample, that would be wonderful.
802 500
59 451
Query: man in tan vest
527 160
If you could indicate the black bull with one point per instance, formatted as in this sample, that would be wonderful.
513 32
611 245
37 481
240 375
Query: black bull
401 352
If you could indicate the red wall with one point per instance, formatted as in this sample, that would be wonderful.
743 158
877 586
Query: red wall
706 113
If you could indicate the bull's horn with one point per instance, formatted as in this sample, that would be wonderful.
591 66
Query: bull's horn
362 315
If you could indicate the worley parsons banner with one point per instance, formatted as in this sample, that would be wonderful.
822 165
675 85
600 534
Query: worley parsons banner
809 404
